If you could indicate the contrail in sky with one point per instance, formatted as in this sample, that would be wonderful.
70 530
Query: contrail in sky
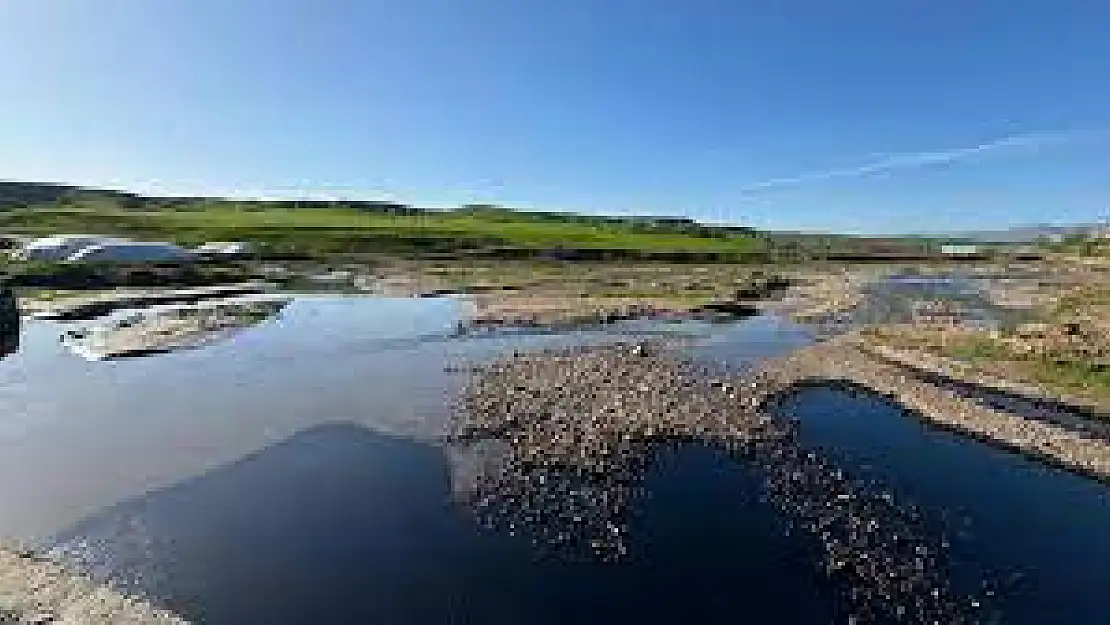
914 160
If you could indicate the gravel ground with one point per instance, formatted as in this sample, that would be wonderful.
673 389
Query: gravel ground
556 311
35 590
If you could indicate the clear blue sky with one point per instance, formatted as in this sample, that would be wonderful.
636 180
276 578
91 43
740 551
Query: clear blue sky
854 115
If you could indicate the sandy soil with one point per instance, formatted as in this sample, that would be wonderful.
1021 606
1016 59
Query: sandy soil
35 590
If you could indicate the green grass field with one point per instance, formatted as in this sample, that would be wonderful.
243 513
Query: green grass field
326 229
323 231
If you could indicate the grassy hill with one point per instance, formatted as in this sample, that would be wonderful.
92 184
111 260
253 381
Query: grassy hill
334 227
347 227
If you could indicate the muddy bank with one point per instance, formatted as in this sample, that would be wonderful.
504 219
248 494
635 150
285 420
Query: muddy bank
87 307
560 295
35 590
822 296
563 311
172 329
622 294
555 311
1028 400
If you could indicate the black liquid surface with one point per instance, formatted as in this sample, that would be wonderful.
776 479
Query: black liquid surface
1041 533
339 524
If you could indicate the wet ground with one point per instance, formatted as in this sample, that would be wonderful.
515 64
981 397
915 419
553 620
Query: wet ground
891 300
292 475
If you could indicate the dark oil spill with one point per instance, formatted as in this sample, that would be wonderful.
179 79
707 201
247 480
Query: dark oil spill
1039 535
339 524
342 525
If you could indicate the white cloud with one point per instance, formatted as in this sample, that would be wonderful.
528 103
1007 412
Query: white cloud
911 160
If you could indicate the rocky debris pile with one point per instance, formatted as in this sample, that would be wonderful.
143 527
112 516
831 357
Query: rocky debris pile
570 514
824 296
561 311
577 424
584 404
942 313
1071 342
914 336
578 429
569 311
1016 294
157 331
890 558
34 589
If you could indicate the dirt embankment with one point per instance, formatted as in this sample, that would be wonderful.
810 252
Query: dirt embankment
170 329
77 305
844 359
603 294
816 296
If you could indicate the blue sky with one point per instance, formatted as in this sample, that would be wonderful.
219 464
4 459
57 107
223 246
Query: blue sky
855 115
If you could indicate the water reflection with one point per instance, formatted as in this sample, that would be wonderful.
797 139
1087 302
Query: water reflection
340 524
166 329
115 429
336 523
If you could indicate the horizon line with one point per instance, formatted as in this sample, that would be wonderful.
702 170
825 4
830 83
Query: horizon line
314 196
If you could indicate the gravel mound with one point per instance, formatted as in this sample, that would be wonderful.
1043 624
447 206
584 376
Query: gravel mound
34 589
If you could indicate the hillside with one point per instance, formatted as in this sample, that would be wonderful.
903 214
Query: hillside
330 227
327 228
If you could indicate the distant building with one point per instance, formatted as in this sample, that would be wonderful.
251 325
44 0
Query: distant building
960 250
226 249
132 252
